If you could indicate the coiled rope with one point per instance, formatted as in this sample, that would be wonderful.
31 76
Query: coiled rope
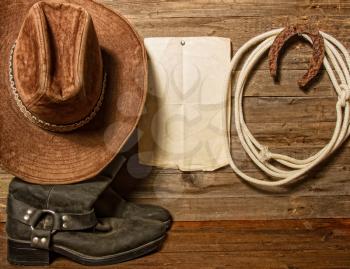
336 59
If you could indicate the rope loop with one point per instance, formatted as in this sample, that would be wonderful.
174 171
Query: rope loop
336 61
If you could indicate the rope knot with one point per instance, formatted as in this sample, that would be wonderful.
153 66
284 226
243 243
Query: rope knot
344 95
265 154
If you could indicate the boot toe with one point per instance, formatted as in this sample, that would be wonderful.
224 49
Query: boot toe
145 230
146 211
156 213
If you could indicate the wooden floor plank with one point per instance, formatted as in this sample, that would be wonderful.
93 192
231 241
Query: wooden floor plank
311 243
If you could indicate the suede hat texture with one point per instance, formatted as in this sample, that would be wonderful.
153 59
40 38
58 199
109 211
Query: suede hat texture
73 83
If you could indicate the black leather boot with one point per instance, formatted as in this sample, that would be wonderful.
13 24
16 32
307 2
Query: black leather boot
47 219
111 204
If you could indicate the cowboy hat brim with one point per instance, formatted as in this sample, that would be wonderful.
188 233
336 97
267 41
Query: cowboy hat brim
39 156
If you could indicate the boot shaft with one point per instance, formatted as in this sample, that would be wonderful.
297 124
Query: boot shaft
73 198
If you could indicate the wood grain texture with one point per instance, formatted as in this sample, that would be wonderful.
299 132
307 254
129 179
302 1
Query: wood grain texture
303 124
313 243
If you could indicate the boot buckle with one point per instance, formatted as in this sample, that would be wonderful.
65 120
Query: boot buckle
40 214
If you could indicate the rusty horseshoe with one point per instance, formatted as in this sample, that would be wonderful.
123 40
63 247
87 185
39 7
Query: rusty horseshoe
317 56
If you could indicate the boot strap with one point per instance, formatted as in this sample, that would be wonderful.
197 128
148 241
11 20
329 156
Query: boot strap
61 221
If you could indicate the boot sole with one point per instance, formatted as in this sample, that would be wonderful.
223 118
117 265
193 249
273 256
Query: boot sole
20 253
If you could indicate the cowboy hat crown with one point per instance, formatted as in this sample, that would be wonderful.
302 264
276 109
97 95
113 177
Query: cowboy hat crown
57 67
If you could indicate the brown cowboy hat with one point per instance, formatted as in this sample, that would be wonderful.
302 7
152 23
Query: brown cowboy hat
72 88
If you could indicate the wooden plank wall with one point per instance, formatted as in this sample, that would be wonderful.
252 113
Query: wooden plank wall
280 115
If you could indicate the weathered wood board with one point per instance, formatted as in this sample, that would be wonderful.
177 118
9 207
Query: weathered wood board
279 115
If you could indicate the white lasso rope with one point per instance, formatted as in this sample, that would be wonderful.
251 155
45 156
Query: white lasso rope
336 58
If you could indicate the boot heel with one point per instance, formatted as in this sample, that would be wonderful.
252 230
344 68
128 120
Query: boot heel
24 254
